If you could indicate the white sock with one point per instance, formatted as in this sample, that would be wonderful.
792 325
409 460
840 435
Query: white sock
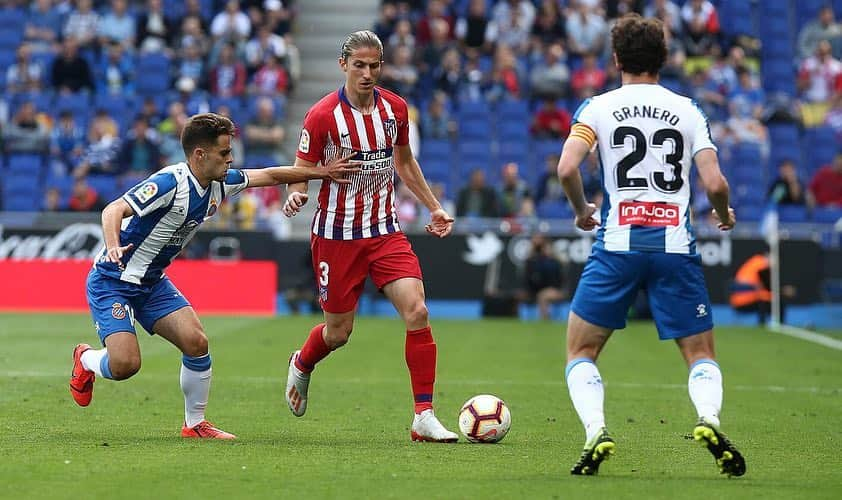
587 394
196 386
705 387
92 358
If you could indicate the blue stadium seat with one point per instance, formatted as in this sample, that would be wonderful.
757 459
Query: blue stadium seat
152 74
792 213
784 133
513 151
827 215
542 148
475 154
479 129
29 163
513 130
435 149
437 170
43 101
750 212
106 186
22 202
554 209
476 110
78 104
511 109
22 183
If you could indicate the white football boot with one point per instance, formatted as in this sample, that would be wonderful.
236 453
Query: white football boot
426 427
297 384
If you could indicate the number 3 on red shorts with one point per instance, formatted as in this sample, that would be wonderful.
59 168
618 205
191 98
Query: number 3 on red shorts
323 270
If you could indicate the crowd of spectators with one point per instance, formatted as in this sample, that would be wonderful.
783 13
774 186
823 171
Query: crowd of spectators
103 87
95 93
551 55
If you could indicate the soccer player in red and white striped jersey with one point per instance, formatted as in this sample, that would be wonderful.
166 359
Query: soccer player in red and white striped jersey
356 232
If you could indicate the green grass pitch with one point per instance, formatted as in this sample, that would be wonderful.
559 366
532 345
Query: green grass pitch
783 408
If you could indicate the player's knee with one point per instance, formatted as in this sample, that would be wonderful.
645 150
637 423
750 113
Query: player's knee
123 367
338 336
417 315
197 344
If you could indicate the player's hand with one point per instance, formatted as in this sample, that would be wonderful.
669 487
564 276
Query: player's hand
726 225
440 223
294 203
115 254
585 221
338 168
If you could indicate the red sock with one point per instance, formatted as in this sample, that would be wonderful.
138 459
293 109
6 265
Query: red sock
420 354
313 350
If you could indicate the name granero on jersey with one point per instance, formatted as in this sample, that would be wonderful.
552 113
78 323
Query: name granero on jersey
645 112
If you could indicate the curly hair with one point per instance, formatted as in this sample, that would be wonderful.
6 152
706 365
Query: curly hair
639 44
203 130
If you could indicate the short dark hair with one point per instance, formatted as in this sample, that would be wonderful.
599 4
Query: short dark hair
203 130
639 44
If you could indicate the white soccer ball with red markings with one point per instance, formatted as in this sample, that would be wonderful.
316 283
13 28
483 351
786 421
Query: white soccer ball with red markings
484 419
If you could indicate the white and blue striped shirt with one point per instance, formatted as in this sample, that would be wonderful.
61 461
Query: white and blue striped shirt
168 208
647 137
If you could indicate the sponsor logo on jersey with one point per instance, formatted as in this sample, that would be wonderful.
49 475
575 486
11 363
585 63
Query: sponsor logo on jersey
304 142
118 311
145 192
377 159
181 234
648 213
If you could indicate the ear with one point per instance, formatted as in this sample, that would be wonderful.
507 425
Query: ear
343 63
617 62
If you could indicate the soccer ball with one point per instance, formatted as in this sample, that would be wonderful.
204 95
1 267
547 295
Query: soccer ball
484 419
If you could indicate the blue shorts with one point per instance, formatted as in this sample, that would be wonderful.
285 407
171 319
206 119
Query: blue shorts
675 284
115 304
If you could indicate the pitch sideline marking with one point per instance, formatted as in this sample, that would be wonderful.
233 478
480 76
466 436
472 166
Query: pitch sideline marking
816 338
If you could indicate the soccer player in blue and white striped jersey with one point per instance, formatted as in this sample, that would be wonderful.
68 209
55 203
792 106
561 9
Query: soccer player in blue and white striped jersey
144 230
647 138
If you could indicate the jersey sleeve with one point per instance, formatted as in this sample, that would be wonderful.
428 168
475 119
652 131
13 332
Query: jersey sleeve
313 137
586 114
151 194
235 181
402 118
701 133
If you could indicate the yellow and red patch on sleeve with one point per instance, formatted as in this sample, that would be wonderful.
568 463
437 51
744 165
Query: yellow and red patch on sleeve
583 132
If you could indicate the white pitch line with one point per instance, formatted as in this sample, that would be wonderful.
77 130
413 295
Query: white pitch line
816 338
472 383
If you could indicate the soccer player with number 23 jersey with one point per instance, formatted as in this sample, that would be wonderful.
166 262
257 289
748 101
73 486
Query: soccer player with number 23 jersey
647 138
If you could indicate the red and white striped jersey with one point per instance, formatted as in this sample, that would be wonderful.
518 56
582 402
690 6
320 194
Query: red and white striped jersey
365 208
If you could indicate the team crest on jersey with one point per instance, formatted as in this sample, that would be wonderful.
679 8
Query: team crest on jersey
304 142
391 127
323 293
145 192
212 207
118 311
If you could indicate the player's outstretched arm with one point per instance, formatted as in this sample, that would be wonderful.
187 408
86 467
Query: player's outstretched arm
112 217
716 187
336 170
572 155
441 223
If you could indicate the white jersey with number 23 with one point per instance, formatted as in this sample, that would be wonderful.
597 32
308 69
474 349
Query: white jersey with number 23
647 136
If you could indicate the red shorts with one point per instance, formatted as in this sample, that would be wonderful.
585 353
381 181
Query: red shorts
341 267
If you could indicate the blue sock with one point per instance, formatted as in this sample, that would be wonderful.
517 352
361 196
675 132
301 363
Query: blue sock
104 368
